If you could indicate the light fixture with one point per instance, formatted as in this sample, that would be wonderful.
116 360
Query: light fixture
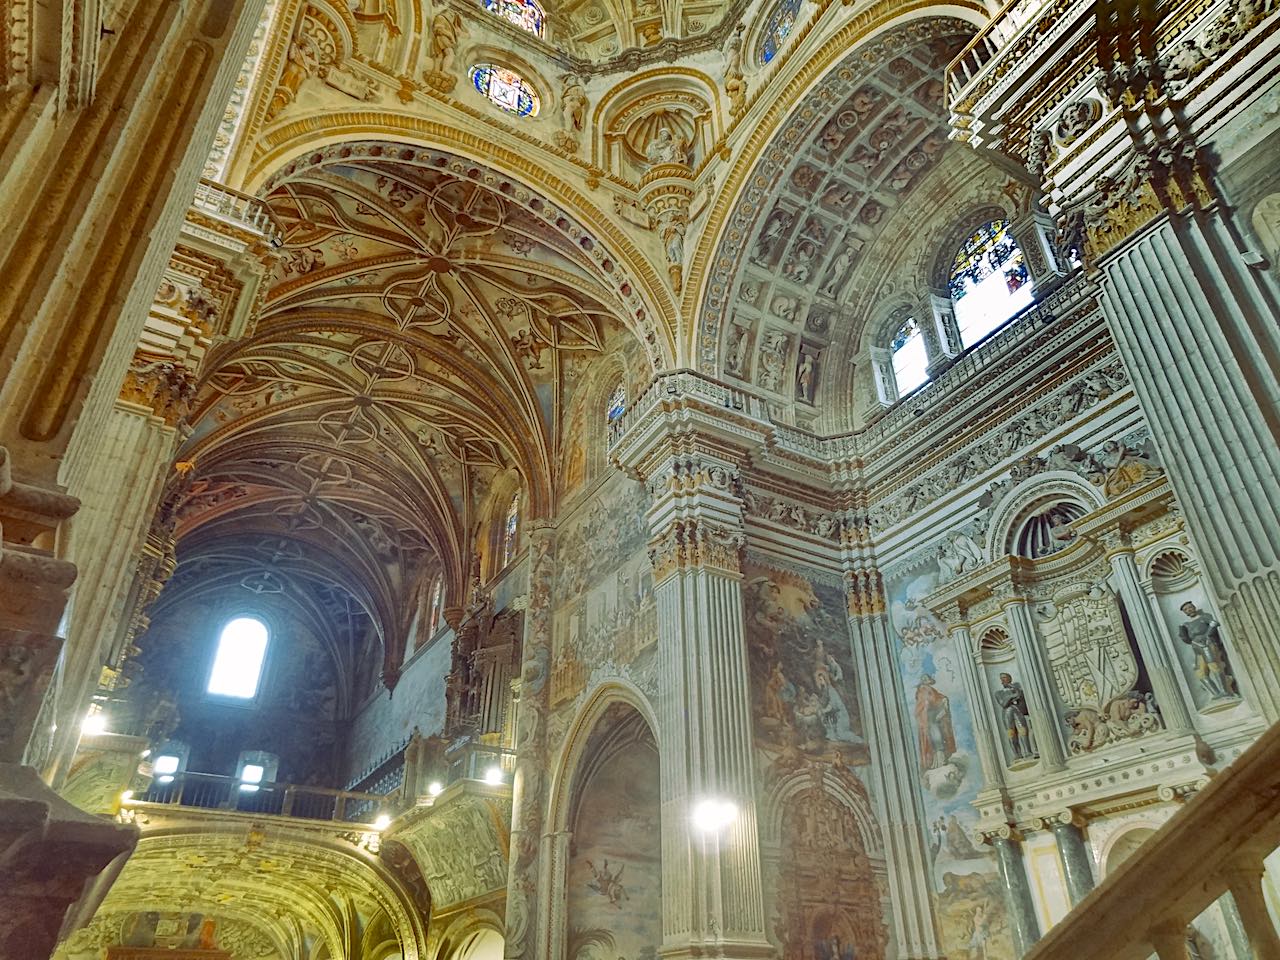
166 763
382 822
126 796
165 779
94 724
145 754
493 774
714 814
435 788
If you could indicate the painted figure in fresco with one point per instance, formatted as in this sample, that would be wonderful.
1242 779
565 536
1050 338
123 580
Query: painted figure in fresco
980 934
1013 712
933 724
608 884
779 695
832 948
832 711
1200 632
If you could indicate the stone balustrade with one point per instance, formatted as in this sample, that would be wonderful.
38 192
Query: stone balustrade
237 207
1214 845
208 791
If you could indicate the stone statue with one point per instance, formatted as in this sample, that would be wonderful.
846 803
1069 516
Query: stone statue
805 376
837 272
446 29
956 555
1200 632
573 108
1012 704
667 148
735 87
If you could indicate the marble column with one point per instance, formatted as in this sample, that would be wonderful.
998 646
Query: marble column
895 753
526 926
1036 681
713 897
1197 330
1157 656
1073 854
1245 884
1023 924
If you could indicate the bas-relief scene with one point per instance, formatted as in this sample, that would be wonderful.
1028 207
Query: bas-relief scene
606 618
823 883
971 909
614 892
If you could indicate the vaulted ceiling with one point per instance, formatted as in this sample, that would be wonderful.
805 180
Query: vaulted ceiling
424 330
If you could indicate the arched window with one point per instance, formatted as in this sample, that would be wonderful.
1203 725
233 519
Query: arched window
989 281
437 599
910 357
237 665
525 14
782 19
617 405
511 530
505 89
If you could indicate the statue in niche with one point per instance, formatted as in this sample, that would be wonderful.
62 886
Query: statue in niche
836 272
1200 632
1012 703
739 347
573 109
735 87
772 358
666 147
933 724
774 228
805 377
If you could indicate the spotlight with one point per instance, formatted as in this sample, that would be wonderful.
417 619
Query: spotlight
435 788
165 779
493 774
713 814
94 724
382 822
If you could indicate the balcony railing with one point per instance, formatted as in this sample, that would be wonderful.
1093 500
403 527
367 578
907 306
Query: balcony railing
207 791
237 207
1214 845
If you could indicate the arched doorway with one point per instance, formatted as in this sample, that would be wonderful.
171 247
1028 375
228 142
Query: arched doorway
614 873
481 945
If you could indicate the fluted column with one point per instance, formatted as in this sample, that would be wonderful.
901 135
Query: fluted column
1155 651
893 765
713 898
525 920
1035 680
1197 330
1007 844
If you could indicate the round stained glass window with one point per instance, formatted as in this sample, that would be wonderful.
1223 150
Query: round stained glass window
782 19
505 89
525 14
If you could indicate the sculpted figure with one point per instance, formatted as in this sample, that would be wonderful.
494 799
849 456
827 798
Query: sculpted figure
446 28
1200 632
1012 704
667 148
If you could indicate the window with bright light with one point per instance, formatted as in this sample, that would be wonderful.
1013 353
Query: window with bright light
237 666
511 530
505 89
990 281
525 14
617 405
910 358
437 598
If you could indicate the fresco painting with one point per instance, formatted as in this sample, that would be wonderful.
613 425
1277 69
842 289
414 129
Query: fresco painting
970 905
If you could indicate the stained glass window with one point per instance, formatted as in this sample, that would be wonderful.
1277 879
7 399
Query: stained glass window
525 14
617 405
910 358
510 529
781 22
989 282
505 89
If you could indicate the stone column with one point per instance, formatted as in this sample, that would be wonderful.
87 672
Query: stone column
1196 328
1245 883
526 926
713 898
1157 656
1023 925
1073 853
894 762
1035 681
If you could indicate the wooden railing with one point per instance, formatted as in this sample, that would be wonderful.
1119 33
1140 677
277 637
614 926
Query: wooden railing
209 791
1214 845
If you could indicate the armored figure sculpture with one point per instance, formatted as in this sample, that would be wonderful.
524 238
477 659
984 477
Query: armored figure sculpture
1200 632
1013 711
